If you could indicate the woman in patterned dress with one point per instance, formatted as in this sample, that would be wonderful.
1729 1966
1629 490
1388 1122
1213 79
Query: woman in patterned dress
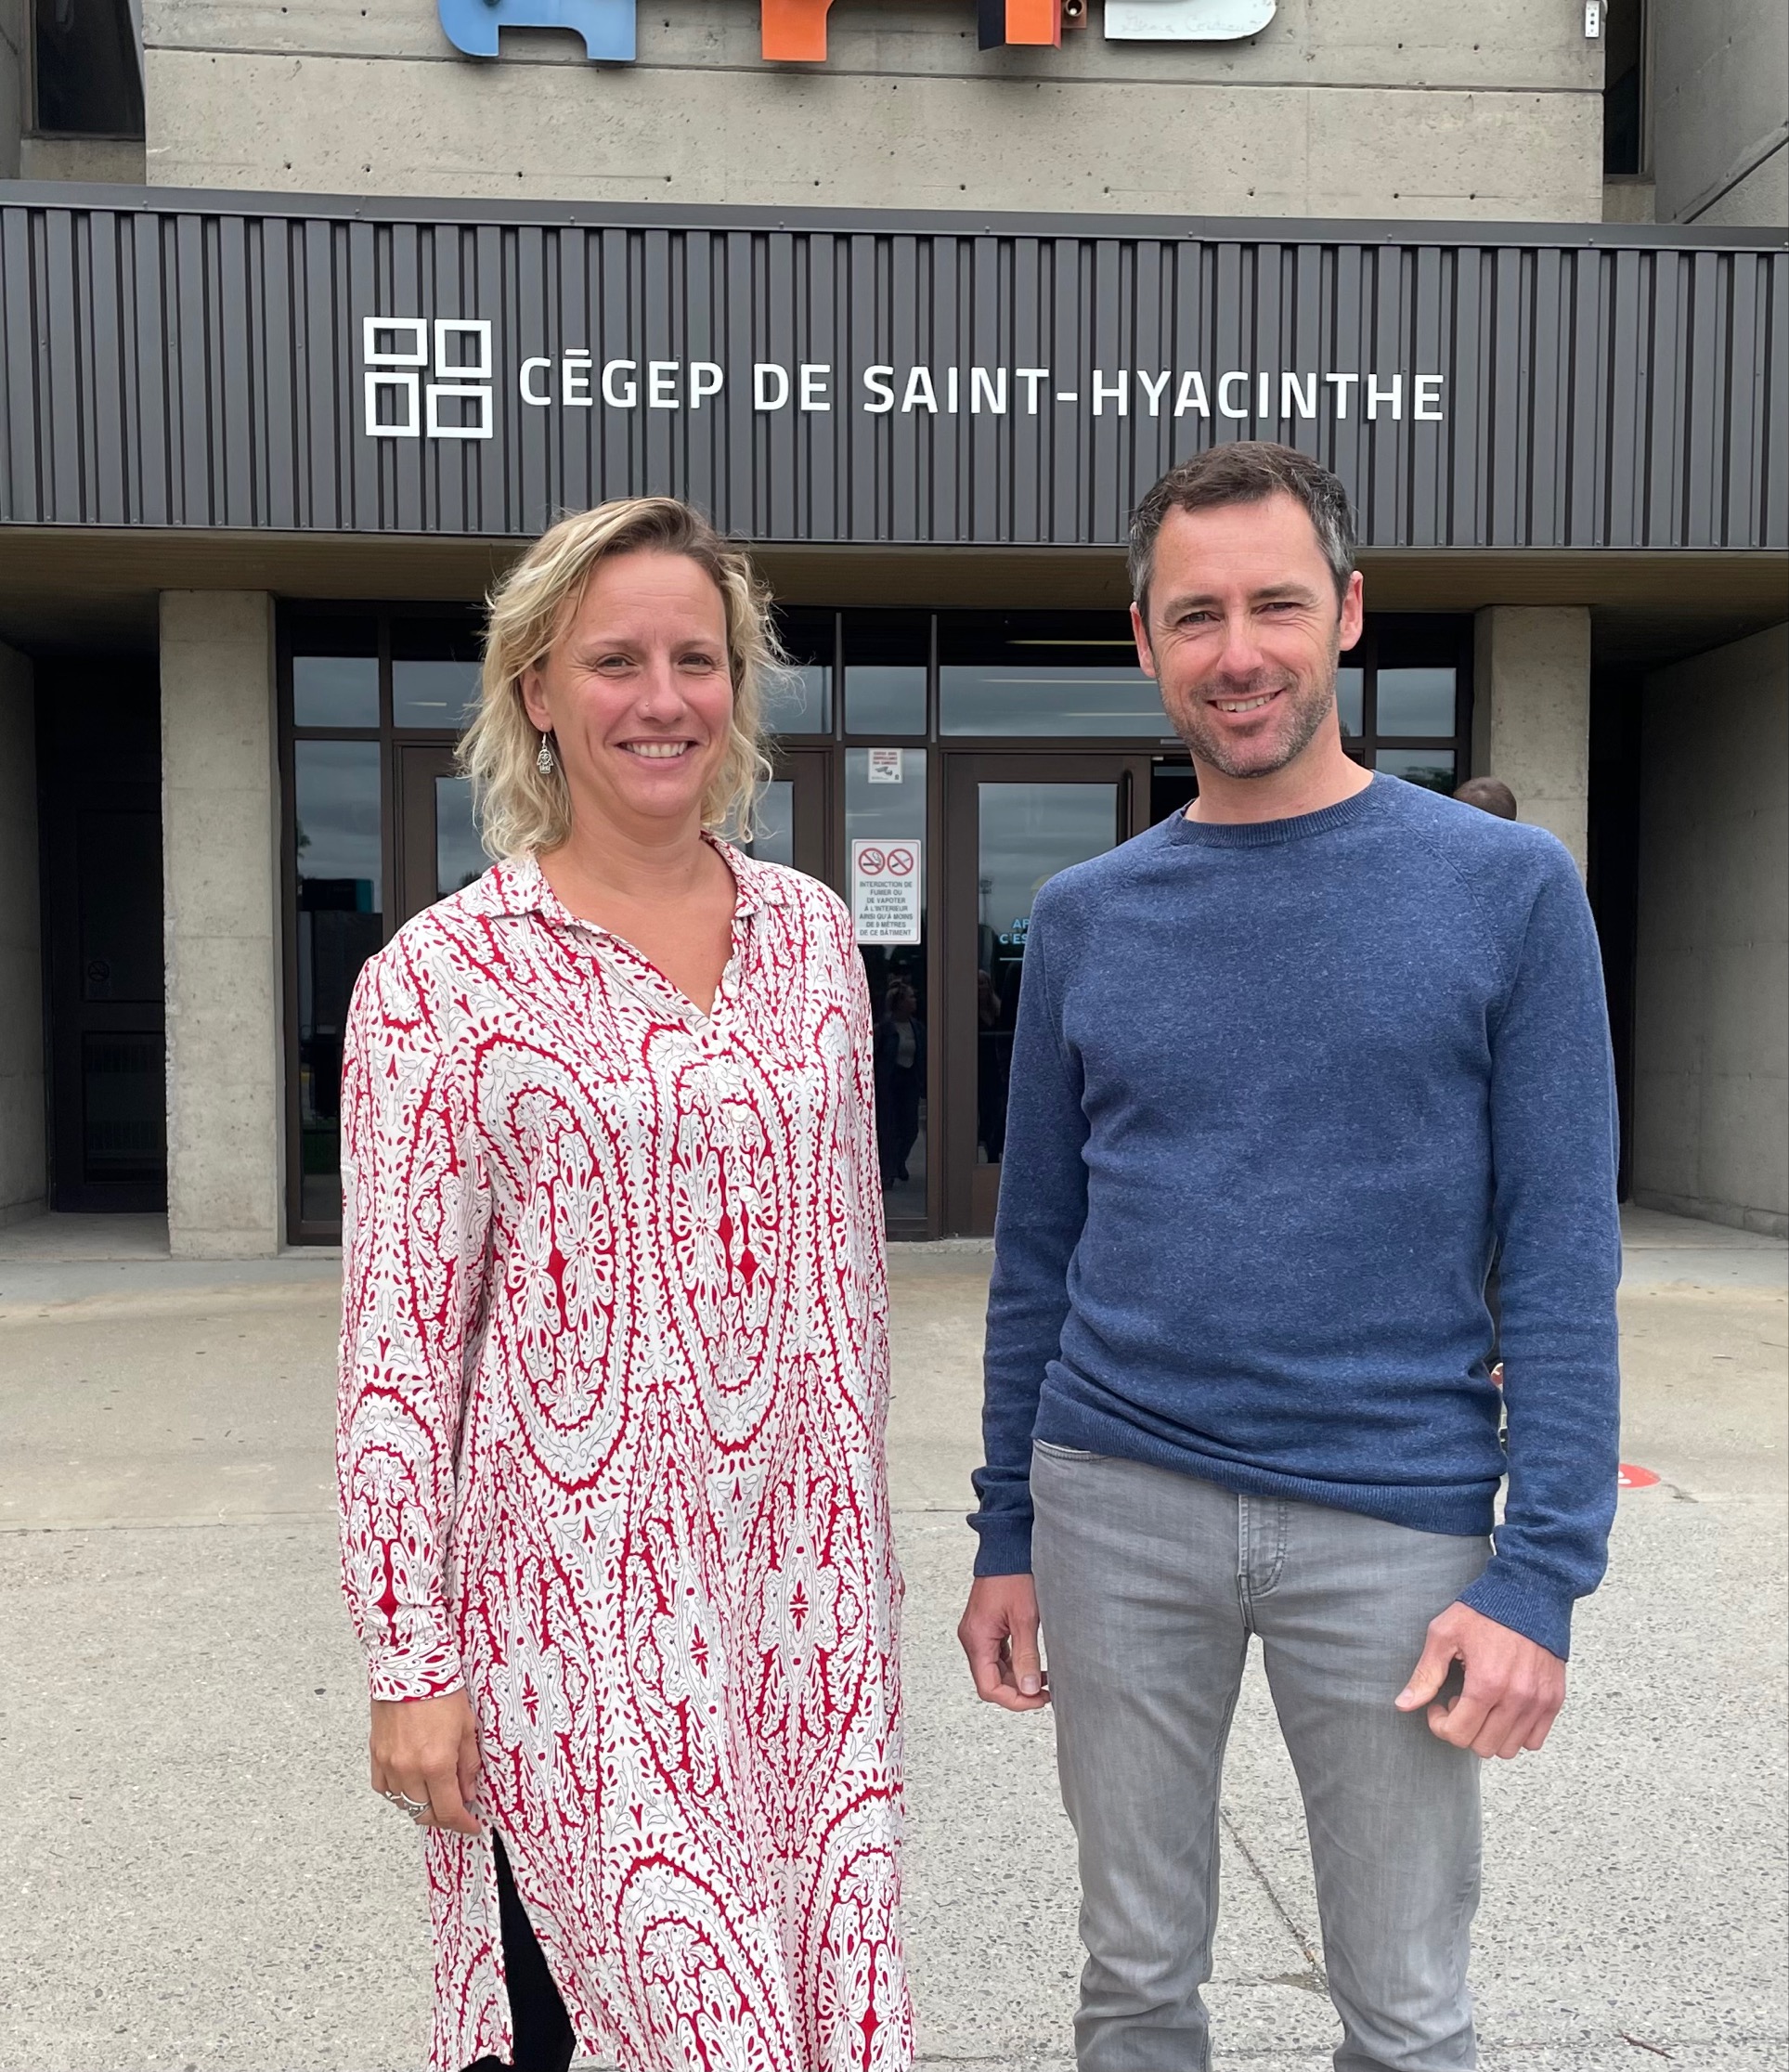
614 1365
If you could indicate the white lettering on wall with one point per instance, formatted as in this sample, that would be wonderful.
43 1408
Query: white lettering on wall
434 378
1226 386
399 404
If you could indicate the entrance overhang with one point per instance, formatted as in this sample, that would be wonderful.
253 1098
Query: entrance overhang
68 587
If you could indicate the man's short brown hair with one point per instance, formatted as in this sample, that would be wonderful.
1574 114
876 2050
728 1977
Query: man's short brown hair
1490 794
1246 471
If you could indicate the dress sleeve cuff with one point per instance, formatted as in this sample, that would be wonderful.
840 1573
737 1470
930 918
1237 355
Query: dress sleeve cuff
403 1678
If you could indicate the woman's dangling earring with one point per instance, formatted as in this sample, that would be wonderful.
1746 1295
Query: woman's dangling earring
543 760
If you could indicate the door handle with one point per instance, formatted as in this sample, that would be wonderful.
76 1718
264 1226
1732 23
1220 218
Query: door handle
1125 786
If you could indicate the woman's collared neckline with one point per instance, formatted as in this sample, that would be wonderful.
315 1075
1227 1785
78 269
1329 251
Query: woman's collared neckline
519 887
521 890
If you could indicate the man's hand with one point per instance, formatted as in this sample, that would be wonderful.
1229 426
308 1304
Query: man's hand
1513 1691
428 1750
999 1635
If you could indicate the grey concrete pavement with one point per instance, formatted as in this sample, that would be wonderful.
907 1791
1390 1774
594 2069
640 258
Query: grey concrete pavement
197 1876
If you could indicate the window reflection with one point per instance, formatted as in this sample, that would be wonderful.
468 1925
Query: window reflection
435 673
336 811
1038 674
1026 833
442 695
335 690
459 858
884 697
1431 768
1351 701
774 825
1414 702
799 699
886 660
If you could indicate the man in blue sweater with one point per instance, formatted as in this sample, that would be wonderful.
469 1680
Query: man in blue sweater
1289 1070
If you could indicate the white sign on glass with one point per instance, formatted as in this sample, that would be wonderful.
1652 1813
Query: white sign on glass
886 891
884 765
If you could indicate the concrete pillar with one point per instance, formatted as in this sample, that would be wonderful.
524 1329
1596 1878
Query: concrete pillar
220 819
1711 981
1531 713
24 1164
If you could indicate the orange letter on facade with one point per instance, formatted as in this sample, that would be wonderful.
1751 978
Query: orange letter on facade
1034 22
795 30
1002 22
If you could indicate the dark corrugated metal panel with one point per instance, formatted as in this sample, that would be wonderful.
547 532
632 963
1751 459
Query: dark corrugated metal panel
174 363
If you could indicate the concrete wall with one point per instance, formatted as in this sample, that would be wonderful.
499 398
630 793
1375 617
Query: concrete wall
114 158
1711 1035
1531 713
220 832
1761 196
1338 108
1720 111
24 1165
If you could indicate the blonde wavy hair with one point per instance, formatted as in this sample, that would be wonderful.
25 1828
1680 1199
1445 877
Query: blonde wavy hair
519 808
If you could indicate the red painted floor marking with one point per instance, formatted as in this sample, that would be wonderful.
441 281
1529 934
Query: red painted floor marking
1631 1477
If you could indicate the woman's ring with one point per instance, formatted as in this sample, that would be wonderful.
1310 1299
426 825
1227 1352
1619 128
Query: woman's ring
416 1809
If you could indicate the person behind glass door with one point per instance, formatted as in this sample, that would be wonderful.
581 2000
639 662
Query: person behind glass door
1286 1066
990 1066
899 1080
610 1180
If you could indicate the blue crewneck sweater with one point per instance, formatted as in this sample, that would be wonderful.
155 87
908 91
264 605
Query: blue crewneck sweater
1279 1093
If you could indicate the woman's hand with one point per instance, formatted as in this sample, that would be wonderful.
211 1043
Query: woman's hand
427 1749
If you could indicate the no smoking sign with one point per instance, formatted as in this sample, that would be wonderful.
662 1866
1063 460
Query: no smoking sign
886 891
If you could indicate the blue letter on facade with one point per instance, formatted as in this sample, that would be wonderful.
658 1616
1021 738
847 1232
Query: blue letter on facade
606 26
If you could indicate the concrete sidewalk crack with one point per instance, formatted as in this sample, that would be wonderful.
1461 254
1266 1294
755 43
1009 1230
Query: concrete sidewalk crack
1316 1981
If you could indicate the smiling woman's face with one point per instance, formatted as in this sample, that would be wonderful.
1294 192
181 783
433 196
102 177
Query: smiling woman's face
637 692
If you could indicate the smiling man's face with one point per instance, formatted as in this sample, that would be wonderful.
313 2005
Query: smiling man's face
1243 632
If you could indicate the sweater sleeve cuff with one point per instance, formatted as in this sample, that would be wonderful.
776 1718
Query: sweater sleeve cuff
1005 1547
1525 1606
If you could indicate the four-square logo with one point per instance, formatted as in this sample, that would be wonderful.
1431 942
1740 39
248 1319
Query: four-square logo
402 404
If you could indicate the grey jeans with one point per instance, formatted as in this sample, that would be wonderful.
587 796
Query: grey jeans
1150 1584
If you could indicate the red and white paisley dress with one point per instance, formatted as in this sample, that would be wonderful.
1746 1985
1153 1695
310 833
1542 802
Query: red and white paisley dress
614 1384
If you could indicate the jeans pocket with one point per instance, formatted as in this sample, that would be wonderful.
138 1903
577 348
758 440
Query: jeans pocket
1051 1451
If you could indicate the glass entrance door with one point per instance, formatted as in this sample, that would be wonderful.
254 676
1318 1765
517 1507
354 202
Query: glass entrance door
439 852
791 825
1013 822
438 849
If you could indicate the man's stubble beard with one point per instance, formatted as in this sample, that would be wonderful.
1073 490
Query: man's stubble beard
1309 709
